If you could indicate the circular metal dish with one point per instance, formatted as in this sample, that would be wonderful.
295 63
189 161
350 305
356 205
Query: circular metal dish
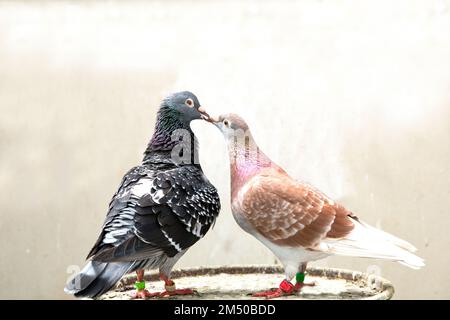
238 282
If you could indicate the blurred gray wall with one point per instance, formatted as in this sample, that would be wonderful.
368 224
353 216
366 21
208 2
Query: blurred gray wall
352 96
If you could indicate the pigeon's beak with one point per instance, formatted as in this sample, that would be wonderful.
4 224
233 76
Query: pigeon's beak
204 114
217 122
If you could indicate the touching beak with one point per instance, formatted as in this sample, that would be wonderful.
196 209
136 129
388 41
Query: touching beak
215 121
204 114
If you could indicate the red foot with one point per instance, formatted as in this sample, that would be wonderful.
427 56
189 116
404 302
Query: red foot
286 289
269 294
177 292
143 294
171 289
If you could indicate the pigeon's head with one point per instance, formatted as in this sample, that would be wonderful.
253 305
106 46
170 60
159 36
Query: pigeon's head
186 105
230 125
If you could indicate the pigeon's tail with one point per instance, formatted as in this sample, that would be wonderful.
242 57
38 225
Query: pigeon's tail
368 242
97 278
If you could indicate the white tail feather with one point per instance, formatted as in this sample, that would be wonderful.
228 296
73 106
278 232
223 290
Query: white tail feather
366 241
391 238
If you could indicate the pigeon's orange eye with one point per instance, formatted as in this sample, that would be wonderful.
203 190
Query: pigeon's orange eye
226 123
189 102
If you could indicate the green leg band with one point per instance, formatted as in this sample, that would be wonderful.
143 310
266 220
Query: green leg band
300 277
139 285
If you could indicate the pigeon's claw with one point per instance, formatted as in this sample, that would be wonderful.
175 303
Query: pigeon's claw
171 289
286 289
178 292
272 293
144 294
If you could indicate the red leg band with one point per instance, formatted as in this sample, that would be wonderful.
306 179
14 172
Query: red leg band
286 286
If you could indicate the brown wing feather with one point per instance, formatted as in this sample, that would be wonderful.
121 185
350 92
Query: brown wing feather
291 213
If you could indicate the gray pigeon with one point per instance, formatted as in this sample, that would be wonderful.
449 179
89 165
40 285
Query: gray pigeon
162 207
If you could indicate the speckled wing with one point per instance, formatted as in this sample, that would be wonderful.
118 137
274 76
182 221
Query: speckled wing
186 205
290 213
157 211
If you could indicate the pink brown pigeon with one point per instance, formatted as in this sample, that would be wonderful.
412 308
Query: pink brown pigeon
297 222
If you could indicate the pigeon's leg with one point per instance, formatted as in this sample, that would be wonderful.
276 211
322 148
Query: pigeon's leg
300 278
171 289
141 292
286 288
